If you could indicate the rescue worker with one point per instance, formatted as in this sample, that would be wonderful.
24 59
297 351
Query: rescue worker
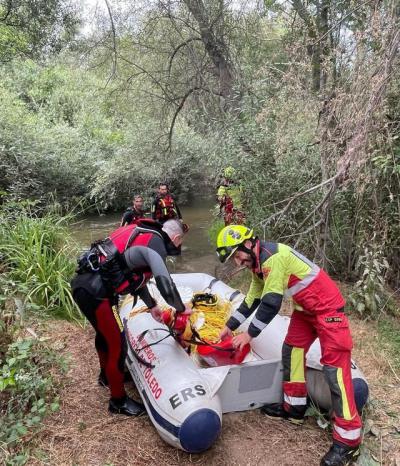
122 264
133 213
164 206
278 271
229 198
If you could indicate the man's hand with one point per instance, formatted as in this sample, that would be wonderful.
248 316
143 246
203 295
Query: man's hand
188 311
225 333
156 313
241 340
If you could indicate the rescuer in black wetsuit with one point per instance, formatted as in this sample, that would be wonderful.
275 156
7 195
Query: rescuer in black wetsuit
135 212
96 292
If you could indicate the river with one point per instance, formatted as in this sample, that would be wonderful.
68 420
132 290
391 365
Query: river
198 254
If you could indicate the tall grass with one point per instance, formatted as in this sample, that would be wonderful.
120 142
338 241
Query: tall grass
38 257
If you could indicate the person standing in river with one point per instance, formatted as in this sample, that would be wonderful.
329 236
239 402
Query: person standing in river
123 263
164 206
133 213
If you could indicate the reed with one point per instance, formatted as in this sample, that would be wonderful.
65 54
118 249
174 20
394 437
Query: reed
36 252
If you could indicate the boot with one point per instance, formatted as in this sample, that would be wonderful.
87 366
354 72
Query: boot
340 455
125 405
276 410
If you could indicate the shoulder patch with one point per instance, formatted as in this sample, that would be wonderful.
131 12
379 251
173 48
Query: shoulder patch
265 272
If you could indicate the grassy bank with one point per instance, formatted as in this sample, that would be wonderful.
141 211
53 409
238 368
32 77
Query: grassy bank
34 283
389 336
38 258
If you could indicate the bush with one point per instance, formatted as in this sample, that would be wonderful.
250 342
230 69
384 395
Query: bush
28 392
37 255
370 297
32 263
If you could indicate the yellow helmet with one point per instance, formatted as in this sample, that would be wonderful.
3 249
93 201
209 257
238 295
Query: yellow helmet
229 172
230 238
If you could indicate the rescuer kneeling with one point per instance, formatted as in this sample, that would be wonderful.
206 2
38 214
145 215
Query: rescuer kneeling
277 271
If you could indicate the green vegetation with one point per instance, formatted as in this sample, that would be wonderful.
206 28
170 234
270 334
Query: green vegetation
301 98
389 336
31 29
38 258
35 269
312 130
29 383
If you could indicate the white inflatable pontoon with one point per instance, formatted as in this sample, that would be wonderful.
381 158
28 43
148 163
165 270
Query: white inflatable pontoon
185 402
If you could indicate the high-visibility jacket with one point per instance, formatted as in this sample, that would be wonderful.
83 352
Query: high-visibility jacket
282 271
232 191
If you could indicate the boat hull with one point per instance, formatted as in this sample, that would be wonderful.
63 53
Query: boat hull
185 402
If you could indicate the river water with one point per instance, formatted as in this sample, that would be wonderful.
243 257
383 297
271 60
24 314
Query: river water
198 254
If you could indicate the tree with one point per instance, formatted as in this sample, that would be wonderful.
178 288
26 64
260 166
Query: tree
31 28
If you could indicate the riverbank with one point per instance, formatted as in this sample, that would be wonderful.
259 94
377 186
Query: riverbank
83 433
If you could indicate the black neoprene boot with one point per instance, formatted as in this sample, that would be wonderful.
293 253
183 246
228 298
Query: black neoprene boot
276 410
340 455
125 406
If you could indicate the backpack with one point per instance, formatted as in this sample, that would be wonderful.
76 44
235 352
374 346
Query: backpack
106 257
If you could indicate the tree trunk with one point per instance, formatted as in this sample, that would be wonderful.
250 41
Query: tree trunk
215 47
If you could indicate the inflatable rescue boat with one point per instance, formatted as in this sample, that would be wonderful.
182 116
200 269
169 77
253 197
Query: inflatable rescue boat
184 400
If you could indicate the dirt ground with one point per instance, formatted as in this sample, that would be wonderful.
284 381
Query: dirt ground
84 433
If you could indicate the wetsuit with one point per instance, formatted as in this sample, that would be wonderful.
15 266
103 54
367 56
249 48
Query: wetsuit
96 302
131 215
319 313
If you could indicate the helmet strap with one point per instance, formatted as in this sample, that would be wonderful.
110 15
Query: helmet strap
250 251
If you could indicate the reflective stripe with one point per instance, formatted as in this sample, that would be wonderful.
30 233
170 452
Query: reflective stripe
295 400
239 316
302 284
225 235
258 324
353 434
303 258
118 318
345 403
297 365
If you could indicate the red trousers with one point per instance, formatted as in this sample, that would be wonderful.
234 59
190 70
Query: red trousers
232 215
110 341
332 329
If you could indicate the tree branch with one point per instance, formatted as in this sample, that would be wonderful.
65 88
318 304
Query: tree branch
9 8
183 44
180 106
114 68
154 79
